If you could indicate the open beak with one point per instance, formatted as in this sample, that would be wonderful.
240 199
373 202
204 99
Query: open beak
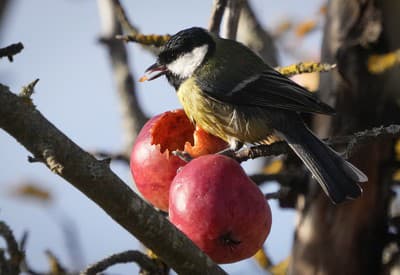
154 71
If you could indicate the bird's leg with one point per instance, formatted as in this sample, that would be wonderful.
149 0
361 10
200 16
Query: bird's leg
234 146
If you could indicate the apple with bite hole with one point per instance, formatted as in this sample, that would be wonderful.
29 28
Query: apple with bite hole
152 163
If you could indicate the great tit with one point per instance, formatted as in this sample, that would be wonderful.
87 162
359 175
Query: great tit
230 92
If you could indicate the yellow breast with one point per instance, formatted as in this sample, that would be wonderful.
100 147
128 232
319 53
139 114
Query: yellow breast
226 121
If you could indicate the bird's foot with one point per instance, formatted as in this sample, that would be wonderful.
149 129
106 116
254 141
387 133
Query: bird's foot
183 155
227 152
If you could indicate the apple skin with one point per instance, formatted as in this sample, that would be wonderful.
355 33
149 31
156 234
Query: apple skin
219 208
153 166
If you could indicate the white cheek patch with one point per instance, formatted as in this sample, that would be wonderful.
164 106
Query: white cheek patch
186 64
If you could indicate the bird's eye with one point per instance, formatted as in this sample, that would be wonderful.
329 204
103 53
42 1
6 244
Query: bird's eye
168 56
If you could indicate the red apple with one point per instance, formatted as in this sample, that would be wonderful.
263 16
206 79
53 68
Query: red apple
153 166
219 208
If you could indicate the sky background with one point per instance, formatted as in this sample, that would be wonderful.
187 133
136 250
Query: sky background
76 93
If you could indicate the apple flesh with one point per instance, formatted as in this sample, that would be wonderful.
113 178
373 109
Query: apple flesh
153 166
219 208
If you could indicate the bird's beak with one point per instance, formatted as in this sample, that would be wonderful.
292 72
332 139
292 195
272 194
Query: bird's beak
154 71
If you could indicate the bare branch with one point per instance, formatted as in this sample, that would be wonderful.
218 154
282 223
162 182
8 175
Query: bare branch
11 50
132 113
281 193
112 156
353 142
216 15
364 137
274 149
123 18
305 67
96 180
10 266
124 257
155 40
232 15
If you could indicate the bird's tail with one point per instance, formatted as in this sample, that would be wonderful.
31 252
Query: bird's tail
337 177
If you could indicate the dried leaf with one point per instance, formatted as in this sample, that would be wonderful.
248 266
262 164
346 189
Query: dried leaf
274 167
262 259
305 28
32 191
378 63
281 268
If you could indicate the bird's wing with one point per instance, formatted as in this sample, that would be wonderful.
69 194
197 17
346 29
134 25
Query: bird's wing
269 88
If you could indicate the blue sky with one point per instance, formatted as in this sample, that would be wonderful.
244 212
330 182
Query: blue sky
76 93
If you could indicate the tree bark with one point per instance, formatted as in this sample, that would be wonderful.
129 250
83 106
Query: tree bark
350 238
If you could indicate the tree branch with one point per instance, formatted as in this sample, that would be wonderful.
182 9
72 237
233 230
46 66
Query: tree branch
124 257
96 180
217 13
133 116
352 142
11 50
11 265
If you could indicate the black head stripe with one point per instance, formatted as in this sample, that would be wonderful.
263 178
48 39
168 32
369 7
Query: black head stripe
183 42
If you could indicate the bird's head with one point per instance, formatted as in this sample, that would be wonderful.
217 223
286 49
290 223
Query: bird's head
182 55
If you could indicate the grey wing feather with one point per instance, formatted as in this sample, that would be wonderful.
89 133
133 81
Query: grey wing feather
270 89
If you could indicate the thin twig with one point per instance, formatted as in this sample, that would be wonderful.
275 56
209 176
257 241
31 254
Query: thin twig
155 40
352 141
150 43
274 149
281 193
217 13
125 257
364 137
261 178
305 67
15 254
112 156
123 18
11 50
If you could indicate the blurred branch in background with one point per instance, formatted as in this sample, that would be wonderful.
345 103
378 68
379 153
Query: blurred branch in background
147 265
11 50
33 191
217 12
149 42
351 141
11 264
252 34
133 117
232 15
4 4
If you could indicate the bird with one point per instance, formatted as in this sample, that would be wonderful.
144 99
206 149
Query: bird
230 92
